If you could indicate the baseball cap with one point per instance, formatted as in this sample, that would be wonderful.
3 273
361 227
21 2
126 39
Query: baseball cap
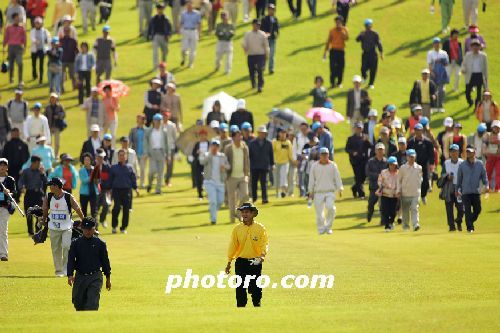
402 139
418 126
448 122
234 129
315 126
384 130
18 92
324 150
38 19
481 128
392 160
41 138
37 105
262 129
271 5
475 41
424 121
94 128
100 152
56 182
94 89
160 5
171 85
380 145
426 71
359 124
55 40
124 138
214 124
108 136
457 125
241 104
106 28
396 123
495 123
249 206
223 126
470 148
373 113
215 142
454 147
88 222
4 161
436 40
411 152
416 107
55 95
357 78
487 93
255 21
391 108
246 125
368 22
157 116
156 81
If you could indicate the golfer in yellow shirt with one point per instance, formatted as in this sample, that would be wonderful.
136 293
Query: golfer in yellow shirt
248 246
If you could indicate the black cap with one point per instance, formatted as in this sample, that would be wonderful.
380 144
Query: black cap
160 5
35 158
56 182
88 222
249 206
256 21
124 139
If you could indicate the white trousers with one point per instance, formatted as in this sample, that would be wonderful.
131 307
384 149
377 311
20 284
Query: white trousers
232 9
454 69
224 47
470 11
409 207
60 241
281 176
246 8
189 43
322 202
4 230
88 12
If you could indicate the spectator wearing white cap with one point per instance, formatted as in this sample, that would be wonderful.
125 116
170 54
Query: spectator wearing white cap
416 116
67 28
456 137
408 190
424 93
172 101
92 144
241 115
94 108
487 110
17 111
55 116
171 129
441 137
36 125
152 100
324 182
425 156
369 126
358 102
40 41
401 153
45 152
61 9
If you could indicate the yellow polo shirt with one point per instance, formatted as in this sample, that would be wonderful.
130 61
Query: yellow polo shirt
248 241
424 87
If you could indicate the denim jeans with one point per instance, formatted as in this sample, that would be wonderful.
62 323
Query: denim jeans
55 81
215 194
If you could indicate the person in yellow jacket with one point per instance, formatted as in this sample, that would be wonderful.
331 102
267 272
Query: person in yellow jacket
283 155
248 245
62 8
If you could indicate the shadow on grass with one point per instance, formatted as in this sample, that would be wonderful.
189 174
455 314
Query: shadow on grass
305 49
197 80
173 228
27 277
229 84
394 3
363 225
416 46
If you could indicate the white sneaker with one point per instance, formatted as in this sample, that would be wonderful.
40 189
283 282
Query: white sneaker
329 232
123 232
113 231
340 86
371 86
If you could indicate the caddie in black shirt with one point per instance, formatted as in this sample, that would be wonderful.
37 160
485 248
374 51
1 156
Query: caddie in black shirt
88 255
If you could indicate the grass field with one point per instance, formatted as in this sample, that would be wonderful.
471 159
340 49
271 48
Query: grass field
430 281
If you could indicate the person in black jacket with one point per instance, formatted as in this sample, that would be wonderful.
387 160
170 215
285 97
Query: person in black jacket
358 102
241 115
152 101
17 153
374 167
159 31
216 114
425 156
271 27
358 147
416 93
200 147
92 144
6 209
261 161
453 47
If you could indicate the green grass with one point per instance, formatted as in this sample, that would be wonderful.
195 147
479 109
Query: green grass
430 281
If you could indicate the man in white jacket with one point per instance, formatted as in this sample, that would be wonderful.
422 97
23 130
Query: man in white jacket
36 125
408 190
324 181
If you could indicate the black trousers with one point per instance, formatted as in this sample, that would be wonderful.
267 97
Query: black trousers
372 201
296 11
472 209
256 65
337 64
450 212
121 198
83 85
85 200
359 177
243 268
260 8
388 209
87 291
343 10
259 176
102 205
37 56
32 198
425 180
369 62
198 178
476 80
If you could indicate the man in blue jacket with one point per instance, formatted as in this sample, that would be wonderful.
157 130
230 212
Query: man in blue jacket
261 161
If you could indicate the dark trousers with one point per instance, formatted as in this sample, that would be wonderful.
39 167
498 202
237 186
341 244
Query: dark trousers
337 64
388 210
472 209
425 180
170 167
256 65
87 291
312 7
121 198
198 178
103 206
259 176
296 11
359 178
343 10
476 80
369 62
32 198
450 213
372 201
37 56
85 200
243 268
83 85
260 8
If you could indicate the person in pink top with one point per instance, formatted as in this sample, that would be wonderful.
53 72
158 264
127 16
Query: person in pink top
15 40
387 188
492 149
111 106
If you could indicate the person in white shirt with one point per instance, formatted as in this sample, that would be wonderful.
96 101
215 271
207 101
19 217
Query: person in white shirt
172 137
36 125
156 147
297 146
408 190
131 154
324 181
40 40
450 170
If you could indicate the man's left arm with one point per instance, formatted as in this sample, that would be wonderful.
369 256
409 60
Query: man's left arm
105 265
76 207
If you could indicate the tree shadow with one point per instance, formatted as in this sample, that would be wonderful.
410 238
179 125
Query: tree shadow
197 80
362 225
305 49
292 99
27 277
292 21
135 77
229 84
416 46
173 228
394 3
